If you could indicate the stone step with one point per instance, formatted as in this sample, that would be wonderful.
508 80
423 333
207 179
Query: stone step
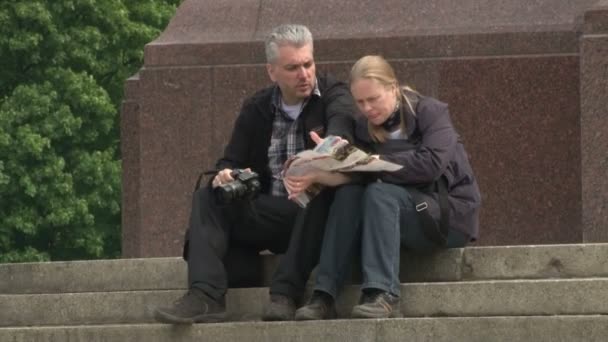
465 329
584 296
471 263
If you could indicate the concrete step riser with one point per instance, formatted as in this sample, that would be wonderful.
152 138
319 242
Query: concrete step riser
474 263
470 329
488 298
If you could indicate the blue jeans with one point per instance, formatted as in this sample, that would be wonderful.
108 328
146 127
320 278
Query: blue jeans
376 220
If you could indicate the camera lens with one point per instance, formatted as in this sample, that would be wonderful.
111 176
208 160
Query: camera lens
229 192
245 185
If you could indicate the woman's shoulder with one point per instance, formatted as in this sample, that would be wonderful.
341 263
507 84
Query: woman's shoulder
420 103
430 104
430 110
422 111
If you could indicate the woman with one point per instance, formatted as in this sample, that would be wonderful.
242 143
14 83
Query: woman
432 202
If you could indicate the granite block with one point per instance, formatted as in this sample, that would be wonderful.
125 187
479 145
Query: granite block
174 131
519 120
524 92
199 33
594 123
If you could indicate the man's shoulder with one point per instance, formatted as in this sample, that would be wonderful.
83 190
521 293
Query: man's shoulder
258 102
261 96
327 81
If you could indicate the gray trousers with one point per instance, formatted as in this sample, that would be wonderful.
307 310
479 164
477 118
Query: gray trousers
375 220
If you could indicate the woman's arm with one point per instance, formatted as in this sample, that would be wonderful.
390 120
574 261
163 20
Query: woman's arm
297 184
429 160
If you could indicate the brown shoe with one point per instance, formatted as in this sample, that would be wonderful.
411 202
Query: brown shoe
321 306
280 308
377 304
194 307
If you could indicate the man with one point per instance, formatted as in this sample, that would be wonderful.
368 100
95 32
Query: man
273 125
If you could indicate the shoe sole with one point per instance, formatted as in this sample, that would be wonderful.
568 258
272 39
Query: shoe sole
269 318
358 312
272 316
308 316
164 317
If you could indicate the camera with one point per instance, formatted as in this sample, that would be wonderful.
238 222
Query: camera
246 185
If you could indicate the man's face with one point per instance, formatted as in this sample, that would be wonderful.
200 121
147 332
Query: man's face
294 72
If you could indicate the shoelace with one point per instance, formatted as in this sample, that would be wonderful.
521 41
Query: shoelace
188 294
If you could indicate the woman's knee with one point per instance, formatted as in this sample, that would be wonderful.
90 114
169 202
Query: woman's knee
379 192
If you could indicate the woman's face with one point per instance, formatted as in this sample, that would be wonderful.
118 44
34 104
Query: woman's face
374 99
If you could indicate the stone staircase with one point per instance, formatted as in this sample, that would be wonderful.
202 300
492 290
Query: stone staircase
518 293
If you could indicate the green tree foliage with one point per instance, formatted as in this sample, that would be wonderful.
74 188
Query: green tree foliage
62 68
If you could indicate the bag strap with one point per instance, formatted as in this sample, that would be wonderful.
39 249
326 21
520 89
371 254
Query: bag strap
197 185
444 208
435 231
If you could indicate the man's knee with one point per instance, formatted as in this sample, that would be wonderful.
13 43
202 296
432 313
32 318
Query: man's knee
203 193
204 199
322 200
349 191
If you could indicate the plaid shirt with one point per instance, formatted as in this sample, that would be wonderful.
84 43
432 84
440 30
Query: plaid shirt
287 140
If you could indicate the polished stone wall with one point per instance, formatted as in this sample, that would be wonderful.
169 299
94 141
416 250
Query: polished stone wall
516 75
594 123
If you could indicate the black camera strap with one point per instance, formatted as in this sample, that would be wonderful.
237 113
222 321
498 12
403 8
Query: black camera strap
200 178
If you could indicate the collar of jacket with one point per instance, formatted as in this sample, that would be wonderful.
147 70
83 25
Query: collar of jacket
275 100
269 99
410 117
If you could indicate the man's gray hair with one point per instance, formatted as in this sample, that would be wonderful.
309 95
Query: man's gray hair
294 35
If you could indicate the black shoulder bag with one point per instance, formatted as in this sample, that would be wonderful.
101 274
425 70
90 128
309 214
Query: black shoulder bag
433 230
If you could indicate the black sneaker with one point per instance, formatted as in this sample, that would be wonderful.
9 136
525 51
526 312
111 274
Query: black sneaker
194 307
377 304
320 306
280 308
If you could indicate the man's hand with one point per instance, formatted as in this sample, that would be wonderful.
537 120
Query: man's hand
315 137
318 140
298 184
223 177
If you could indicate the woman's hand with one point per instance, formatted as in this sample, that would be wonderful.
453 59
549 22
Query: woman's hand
223 177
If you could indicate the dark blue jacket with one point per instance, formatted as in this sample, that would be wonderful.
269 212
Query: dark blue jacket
432 149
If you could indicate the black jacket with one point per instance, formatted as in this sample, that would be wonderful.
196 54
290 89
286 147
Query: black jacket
330 114
433 149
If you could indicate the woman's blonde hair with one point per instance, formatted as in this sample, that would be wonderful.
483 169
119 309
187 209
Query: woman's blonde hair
377 68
